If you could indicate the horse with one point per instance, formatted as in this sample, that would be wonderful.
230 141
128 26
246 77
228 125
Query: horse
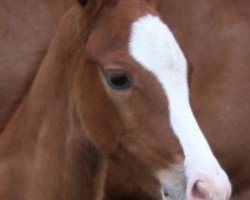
203 64
26 30
214 37
220 77
94 100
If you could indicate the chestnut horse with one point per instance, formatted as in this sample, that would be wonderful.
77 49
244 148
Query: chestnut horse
26 30
216 40
229 14
95 100
215 37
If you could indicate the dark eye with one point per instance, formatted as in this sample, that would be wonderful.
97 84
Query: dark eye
118 80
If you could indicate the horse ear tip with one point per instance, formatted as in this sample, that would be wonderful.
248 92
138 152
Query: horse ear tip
83 2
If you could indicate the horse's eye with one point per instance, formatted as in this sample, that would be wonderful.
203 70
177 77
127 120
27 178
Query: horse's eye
118 80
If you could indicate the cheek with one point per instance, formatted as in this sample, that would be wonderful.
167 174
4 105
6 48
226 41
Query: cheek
129 118
99 119
157 129
130 108
102 126
147 121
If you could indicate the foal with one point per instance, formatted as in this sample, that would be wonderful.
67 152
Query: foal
113 86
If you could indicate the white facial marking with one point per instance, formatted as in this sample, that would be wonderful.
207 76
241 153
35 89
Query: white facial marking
154 47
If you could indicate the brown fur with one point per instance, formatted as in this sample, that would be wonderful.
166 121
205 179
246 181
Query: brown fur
71 124
216 80
26 31
214 36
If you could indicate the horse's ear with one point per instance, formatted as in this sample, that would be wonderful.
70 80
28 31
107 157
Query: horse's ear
91 6
90 3
83 2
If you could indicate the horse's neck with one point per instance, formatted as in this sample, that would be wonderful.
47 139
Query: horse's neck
49 155
44 150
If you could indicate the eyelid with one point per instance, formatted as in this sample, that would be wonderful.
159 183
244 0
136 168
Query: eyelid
113 74
117 71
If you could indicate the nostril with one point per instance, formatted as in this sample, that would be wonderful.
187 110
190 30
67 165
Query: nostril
200 191
165 193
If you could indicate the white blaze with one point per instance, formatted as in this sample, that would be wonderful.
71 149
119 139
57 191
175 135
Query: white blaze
153 46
